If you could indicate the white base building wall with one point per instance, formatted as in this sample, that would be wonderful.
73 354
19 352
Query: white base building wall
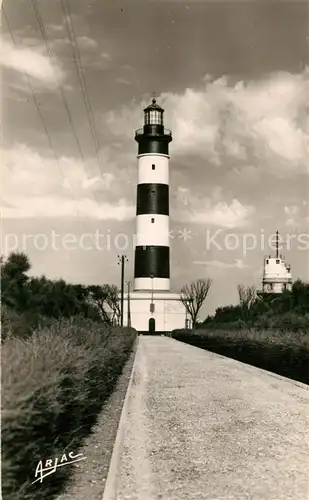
169 312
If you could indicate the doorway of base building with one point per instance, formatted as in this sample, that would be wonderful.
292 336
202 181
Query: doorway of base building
152 325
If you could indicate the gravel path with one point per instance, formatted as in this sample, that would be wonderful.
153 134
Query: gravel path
89 476
204 427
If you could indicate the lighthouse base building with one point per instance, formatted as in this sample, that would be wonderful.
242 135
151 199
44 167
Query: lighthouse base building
152 307
161 312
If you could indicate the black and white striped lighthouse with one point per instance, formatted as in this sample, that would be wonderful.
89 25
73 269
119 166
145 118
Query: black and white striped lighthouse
152 252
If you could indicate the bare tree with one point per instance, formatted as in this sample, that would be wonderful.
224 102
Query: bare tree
105 298
98 298
113 303
193 296
247 296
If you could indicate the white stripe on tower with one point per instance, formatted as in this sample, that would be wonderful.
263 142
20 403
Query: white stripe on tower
152 253
159 174
152 230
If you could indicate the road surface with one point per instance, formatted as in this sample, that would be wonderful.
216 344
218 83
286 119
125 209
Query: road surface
199 426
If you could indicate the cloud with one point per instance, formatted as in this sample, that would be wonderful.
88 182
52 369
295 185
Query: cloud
102 62
39 185
56 27
31 61
238 264
106 56
83 42
213 210
86 43
104 182
182 195
127 67
254 122
57 206
297 216
222 214
123 81
59 43
260 123
36 185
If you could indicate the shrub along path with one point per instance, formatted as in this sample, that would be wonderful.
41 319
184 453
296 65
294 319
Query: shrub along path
283 352
54 385
89 476
202 426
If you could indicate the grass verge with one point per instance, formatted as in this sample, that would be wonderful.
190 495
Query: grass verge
54 384
285 353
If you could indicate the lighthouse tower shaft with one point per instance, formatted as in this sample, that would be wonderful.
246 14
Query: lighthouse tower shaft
152 252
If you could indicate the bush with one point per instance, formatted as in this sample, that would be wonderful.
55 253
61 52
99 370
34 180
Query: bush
288 321
20 325
288 310
53 387
282 352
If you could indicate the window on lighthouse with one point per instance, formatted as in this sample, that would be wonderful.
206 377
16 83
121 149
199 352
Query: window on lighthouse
153 117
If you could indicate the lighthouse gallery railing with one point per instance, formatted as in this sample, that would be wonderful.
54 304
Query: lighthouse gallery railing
140 131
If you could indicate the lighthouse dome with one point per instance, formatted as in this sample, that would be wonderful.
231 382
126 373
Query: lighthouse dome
154 106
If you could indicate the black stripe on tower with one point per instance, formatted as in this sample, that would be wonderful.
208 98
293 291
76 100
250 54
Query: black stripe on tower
152 199
153 139
152 260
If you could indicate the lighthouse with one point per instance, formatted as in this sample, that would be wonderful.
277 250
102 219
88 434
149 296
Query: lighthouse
153 306
152 252
277 276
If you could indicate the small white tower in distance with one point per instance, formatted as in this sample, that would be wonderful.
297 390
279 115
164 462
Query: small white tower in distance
153 307
276 273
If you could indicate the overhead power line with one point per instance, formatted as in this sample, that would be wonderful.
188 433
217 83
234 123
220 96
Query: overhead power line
60 89
81 74
52 59
35 100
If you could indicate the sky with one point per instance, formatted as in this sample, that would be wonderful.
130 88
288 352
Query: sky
233 78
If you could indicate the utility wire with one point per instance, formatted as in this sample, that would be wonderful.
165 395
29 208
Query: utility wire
61 92
35 100
32 91
80 72
52 59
